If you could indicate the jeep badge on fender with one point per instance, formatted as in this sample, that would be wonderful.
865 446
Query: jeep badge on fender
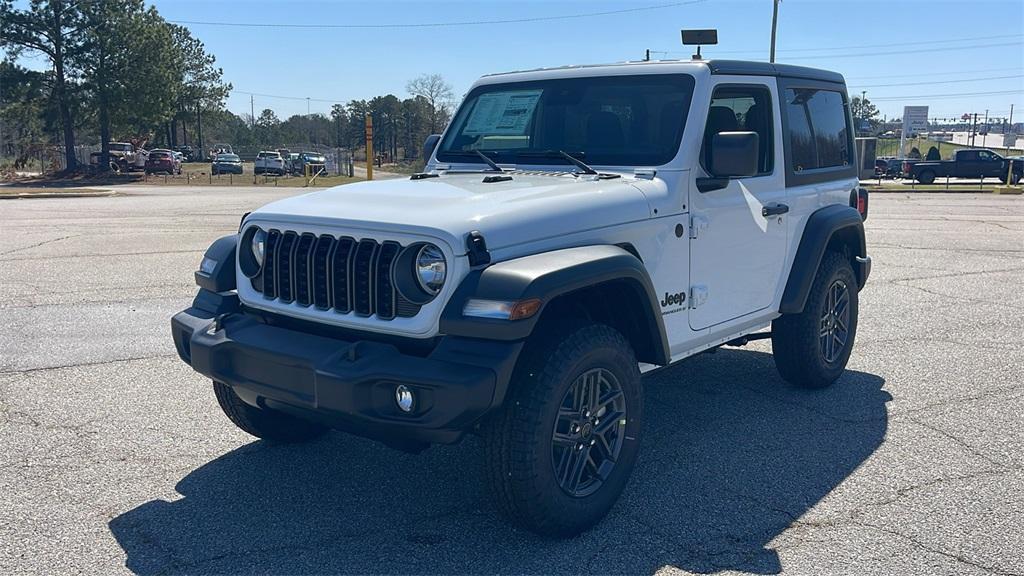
673 299
520 297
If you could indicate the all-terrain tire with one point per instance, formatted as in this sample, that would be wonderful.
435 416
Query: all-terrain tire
800 341
519 444
263 423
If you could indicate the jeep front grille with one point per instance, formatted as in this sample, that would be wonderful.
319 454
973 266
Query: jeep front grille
341 274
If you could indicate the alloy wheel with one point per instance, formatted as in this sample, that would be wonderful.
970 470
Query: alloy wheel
589 432
835 321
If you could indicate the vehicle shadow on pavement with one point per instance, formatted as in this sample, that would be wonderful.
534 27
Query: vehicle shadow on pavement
732 456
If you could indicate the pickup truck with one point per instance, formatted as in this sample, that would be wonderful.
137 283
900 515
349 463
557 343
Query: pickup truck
967 163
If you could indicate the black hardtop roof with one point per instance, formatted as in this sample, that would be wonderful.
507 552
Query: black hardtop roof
768 69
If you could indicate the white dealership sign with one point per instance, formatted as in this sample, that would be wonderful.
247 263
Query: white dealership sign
915 120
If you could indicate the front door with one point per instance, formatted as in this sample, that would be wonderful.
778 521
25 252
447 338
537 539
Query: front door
739 233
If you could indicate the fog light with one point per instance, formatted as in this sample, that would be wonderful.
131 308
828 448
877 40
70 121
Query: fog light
404 398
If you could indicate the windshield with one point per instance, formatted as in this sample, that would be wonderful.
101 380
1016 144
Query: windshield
120 147
227 158
630 120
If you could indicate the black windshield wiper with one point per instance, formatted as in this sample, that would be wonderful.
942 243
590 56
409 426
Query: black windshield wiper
558 154
487 159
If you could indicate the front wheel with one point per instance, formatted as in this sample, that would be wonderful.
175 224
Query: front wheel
264 423
811 348
559 453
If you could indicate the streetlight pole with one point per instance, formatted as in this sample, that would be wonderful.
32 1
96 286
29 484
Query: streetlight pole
775 21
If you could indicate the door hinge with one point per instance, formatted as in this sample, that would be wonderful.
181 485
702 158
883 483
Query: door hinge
697 225
698 295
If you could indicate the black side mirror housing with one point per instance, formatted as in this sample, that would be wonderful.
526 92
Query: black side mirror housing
734 154
428 146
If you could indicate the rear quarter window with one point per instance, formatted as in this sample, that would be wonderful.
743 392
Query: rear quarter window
818 131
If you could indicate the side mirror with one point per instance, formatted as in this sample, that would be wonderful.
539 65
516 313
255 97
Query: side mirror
428 146
734 154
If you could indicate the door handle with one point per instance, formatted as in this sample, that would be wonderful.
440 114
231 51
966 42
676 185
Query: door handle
774 210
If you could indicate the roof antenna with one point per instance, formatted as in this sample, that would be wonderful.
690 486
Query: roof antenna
698 37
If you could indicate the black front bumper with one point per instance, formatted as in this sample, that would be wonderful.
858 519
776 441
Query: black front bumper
345 382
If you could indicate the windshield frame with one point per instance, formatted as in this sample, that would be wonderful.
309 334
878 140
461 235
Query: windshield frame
444 154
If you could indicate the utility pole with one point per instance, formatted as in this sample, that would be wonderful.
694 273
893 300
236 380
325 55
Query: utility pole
199 127
647 55
252 112
775 22
974 127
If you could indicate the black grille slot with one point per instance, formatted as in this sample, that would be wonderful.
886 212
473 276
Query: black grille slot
321 272
383 286
343 274
285 266
269 264
303 265
363 276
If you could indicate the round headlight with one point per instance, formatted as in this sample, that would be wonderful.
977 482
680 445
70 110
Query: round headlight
431 268
259 245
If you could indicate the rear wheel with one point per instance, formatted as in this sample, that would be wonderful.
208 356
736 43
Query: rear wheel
560 451
264 423
926 177
811 348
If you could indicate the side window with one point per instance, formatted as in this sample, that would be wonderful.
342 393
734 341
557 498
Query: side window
819 135
743 109
985 155
968 156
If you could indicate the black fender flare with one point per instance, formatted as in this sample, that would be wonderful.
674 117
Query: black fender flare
822 226
546 276
222 277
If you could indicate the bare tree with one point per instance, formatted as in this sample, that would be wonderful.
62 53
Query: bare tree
438 94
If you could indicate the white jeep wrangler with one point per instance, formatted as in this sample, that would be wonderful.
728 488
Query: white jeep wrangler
573 228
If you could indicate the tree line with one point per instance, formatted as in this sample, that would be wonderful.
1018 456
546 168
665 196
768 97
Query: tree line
115 67
399 125
116 70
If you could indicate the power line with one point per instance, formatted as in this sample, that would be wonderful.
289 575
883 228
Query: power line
442 24
944 73
902 52
889 44
861 54
302 98
937 82
934 96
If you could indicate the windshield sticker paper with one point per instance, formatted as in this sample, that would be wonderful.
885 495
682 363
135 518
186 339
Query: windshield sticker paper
502 113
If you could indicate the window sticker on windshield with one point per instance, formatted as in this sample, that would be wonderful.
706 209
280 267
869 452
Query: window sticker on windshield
502 113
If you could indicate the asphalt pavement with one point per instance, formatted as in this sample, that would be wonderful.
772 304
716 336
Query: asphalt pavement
114 456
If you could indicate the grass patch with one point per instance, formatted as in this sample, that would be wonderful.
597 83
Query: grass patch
48 191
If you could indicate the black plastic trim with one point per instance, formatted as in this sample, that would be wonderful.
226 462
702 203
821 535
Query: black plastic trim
547 276
821 226
748 68
349 383
222 278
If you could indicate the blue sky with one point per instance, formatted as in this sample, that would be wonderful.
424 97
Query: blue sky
875 44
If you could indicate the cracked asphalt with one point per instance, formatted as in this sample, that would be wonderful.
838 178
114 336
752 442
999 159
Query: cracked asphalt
115 458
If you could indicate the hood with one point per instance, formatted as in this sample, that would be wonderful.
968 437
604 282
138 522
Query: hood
528 207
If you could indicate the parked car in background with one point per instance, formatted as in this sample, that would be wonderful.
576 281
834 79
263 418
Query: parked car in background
967 163
189 153
220 149
162 160
269 162
293 163
226 164
314 159
122 156
880 166
893 168
179 156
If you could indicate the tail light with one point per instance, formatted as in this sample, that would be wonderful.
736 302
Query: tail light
859 200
